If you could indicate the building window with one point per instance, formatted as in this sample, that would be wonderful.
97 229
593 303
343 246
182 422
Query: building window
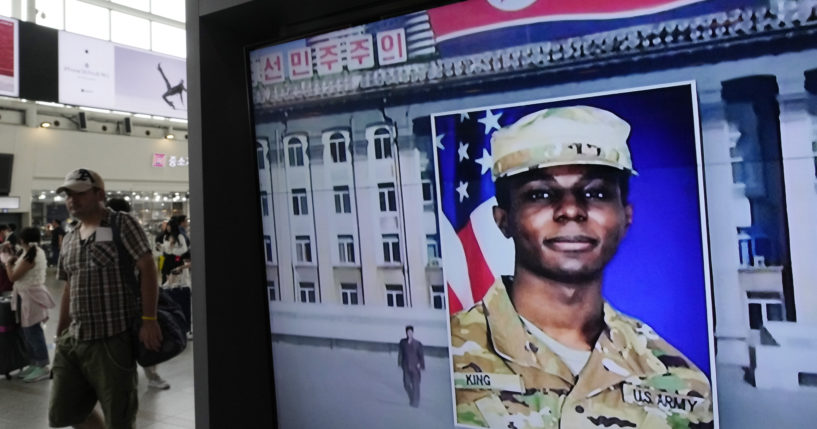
306 290
268 248
342 200
337 147
428 191
382 143
438 297
295 150
272 292
391 248
259 155
299 204
264 203
395 297
432 247
346 249
388 197
303 248
349 294
764 307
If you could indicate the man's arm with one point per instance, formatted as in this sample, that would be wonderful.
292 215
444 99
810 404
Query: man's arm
420 355
150 333
65 316
400 354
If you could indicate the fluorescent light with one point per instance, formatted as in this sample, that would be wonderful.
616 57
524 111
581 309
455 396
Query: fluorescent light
45 124
93 109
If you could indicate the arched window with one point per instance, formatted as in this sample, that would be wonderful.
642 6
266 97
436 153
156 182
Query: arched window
337 147
382 143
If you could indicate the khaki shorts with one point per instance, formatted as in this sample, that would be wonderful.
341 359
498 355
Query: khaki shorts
85 372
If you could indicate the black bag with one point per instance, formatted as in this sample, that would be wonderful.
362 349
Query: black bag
182 297
169 315
174 338
13 354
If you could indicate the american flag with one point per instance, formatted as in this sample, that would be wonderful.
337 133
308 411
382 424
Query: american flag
475 251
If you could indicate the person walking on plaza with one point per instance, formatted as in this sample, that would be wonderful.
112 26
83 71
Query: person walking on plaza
57 234
155 380
410 360
28 274
94 358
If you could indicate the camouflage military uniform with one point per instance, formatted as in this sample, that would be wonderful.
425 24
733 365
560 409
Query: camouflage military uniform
506 378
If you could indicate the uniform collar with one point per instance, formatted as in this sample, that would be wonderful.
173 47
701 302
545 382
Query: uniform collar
620 352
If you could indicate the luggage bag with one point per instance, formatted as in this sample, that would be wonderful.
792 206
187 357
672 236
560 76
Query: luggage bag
12 346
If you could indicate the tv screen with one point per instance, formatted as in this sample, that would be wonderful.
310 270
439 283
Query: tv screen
545 215
6 164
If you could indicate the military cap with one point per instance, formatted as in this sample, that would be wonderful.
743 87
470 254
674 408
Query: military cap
561 136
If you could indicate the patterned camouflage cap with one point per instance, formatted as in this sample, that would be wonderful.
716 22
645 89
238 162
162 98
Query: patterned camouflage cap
562 136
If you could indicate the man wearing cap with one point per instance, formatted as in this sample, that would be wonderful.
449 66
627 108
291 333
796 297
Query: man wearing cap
94 359
543 349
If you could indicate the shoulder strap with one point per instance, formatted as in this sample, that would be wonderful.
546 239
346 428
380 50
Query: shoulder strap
126 265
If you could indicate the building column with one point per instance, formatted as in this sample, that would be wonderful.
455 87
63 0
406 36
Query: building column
727 209
797 134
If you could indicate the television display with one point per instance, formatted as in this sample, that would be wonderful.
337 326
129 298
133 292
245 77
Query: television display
381 148
6 166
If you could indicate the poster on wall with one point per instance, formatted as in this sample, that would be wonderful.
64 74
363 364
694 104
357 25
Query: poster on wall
98 73
9 58
150 82
549 213
86 71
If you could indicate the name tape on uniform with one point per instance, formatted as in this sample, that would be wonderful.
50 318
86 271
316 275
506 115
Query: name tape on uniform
488 380
666 401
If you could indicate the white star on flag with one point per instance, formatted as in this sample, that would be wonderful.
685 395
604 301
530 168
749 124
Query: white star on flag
486 161
463 190
464 116
490 121
438 141
463 151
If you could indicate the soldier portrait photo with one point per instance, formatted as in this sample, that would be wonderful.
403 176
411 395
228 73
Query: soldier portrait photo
550 337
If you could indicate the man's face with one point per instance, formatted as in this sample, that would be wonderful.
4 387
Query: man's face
566 222
409 333
81 204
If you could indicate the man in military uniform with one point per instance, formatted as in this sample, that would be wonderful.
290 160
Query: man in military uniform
543 349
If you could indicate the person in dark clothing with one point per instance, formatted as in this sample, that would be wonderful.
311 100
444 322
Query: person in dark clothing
57 233
5 283
410 359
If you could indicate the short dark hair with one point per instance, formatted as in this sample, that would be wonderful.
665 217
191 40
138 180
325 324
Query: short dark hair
4 227
409 328
503 185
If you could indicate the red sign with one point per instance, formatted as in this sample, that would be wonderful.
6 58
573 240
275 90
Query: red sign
300 63
6 48
391 47
272 68
327 55
360 52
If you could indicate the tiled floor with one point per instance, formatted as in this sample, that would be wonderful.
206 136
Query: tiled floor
25 406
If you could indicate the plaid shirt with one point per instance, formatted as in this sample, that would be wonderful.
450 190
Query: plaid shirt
102 303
